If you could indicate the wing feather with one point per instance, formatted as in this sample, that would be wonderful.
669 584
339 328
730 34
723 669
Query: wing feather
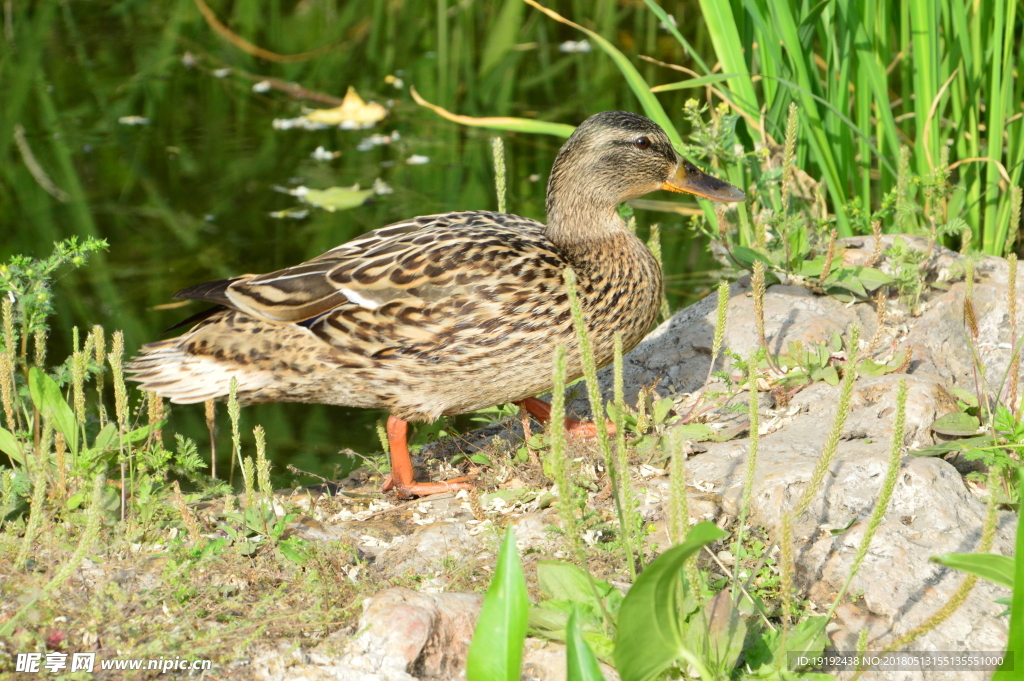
426 259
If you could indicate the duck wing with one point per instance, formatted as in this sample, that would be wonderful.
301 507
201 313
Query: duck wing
419 262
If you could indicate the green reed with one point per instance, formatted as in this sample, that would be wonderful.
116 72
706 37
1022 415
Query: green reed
621 481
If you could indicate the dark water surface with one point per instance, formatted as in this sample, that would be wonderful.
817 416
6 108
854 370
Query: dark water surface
149 122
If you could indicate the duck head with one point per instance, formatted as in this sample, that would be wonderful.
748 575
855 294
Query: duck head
613 157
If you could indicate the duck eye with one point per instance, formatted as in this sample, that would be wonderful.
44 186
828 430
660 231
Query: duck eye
642 143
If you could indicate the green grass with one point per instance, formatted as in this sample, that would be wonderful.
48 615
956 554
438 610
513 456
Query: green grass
871 76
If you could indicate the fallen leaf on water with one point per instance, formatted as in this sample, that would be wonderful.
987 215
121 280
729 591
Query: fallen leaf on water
334 198
353 110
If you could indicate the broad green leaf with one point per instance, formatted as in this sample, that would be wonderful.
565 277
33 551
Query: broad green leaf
869 277
873 278
1015 639
498 122
502 35
940 448
844 278
661 409
509 496
496 652
564 581
695 82
746 257
823 354
104 438
143 432
581 665
650 629
769 650
798 247
813 267
10 446
548 620
694 432
957 423
897 361
336 198
870 369
827 374
716 633
46 396
965 396
990 566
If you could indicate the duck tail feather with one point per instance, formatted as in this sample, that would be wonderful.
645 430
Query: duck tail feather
168 369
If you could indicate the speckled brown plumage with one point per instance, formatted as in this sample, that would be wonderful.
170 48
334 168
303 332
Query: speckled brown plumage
443 314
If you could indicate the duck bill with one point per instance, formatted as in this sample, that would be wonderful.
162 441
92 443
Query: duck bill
689 179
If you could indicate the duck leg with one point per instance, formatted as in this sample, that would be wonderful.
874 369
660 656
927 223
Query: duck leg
401 466
541 410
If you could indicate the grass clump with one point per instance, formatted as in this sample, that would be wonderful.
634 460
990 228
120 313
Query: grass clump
70 531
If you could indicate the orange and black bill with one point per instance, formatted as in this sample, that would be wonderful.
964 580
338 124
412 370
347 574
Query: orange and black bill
690 179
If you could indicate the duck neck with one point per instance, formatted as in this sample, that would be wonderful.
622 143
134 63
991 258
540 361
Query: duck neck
579 219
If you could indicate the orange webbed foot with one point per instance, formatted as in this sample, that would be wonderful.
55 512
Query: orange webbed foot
401 479
541 410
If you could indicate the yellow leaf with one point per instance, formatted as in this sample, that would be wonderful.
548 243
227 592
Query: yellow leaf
352 110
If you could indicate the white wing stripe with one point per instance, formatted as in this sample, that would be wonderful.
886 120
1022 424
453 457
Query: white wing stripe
359 300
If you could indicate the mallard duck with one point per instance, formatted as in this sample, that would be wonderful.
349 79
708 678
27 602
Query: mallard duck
443 314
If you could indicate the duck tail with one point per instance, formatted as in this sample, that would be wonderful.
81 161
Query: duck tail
170 370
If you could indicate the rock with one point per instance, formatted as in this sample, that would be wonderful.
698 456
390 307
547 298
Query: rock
873 407
401 633
676 357
433 548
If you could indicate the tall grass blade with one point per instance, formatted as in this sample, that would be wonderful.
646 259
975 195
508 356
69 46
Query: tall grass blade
622 489
652 107
725 37
696 82
502 35
497 122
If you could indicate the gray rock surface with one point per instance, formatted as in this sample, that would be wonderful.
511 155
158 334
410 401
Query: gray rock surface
401 633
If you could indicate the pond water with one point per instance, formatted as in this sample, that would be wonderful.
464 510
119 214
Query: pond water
148 126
